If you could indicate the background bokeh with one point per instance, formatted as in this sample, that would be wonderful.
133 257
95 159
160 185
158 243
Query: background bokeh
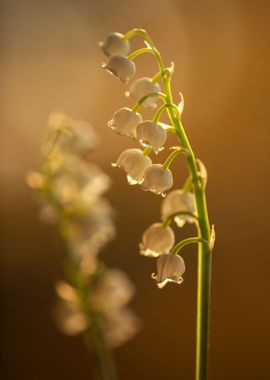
50 60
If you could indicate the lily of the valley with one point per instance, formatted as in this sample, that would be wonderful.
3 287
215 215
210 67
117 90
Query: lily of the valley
134 163
142 87
179 201
125 121
149 133
157 240
120 66
170 268
157 179
115 44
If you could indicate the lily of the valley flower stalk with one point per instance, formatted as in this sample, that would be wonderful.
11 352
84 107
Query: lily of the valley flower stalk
181 205
93 299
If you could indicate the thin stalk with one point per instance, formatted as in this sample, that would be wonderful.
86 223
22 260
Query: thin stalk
171 157
143 99
160 110
204 254
139 52
183 243
94 340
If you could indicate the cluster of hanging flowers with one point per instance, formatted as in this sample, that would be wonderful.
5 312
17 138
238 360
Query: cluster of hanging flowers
178 205
72 197
150 134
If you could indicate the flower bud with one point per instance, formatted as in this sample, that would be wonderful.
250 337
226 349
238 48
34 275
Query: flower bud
142 87
134 163
149 133
122 67
124 122
157 240
157 179
178 201
170 268
115 44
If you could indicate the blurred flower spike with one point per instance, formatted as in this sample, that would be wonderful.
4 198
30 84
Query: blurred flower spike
71 190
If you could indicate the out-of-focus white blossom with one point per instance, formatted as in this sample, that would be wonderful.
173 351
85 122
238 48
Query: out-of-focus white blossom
35 180
170 268
134 163
119 327
72 136
68 314
114 290
157 179
80 138
115 44
149 133
122 67
109 294
179 201
87 235
157 240
142 87
125 121
76 183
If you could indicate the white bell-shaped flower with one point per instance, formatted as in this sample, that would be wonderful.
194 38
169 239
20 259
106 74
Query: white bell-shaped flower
122 67
125 121
157 179
142 87
134 163
170 268
179 201
115 44
149 133
157 240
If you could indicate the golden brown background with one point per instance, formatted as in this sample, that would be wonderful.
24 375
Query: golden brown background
50 60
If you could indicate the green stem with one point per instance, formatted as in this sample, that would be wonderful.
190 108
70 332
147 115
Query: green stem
183 243
204 254
171 157
139 52
187 184
148 150
152 94
160 110
157 77
94 340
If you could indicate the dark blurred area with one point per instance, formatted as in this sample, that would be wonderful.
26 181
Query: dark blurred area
50 60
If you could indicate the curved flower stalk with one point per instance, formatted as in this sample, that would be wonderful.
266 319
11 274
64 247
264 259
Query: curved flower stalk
93 299
187 204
